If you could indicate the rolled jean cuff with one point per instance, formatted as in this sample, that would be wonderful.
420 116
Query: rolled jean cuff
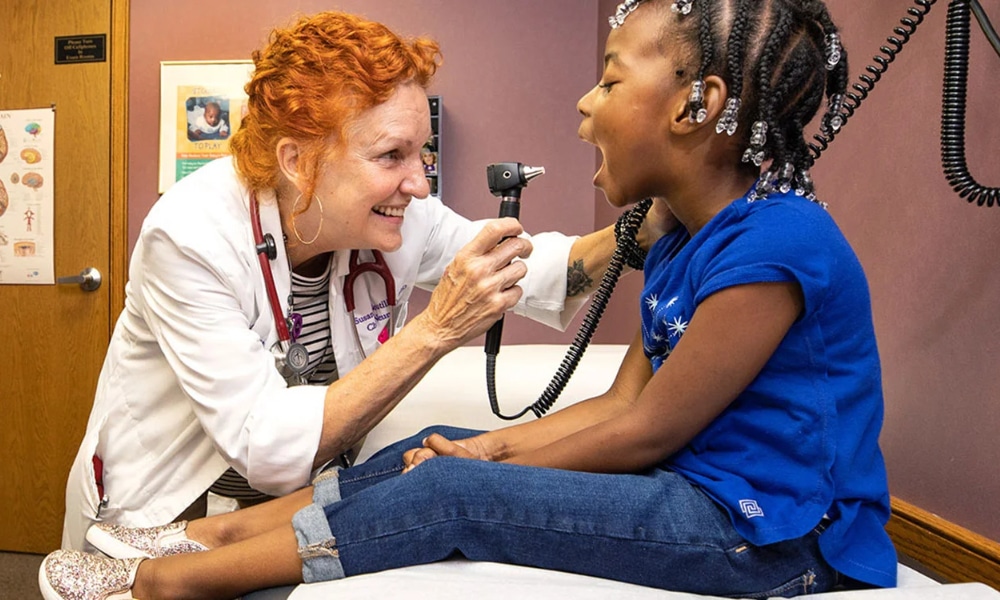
326 487
317 546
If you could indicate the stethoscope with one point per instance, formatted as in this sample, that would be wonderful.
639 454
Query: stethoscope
291 357
356 268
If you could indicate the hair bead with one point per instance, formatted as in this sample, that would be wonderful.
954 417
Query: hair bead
785 178
834 118
729 121
682 6
622 12
758 140
834 51
696 102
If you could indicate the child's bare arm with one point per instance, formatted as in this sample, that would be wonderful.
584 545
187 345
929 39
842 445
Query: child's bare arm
730 338
506 443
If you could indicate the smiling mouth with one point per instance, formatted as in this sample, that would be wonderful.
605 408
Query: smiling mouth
389 211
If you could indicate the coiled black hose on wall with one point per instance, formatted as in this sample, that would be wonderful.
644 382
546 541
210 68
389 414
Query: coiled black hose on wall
956 80
873 72
956 76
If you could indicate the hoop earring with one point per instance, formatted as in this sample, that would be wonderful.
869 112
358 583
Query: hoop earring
295 229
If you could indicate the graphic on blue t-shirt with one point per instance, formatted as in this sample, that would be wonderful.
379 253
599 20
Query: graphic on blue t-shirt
663 325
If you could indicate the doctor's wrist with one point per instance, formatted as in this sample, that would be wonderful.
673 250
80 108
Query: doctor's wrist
424 334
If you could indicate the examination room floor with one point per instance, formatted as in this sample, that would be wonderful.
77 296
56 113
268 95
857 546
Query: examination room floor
19 576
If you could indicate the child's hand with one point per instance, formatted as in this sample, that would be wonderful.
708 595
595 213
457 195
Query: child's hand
437 445
415 456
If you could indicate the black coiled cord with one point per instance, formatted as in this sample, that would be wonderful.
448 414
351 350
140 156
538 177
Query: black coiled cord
907 27
629 222
956 79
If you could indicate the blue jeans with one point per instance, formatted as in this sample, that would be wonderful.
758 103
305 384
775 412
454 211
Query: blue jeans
653 529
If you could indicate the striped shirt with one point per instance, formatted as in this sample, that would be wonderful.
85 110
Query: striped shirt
310 298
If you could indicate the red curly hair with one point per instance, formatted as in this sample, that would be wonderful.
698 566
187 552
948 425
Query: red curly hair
311 80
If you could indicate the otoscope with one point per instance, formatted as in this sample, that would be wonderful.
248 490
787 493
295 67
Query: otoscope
506 180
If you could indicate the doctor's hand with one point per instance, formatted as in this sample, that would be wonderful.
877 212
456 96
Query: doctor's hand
659 221
479 285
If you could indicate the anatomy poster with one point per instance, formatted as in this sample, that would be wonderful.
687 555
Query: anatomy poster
26 196
201 105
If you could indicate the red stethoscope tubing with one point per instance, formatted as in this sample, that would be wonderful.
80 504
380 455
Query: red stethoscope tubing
265 267
379 267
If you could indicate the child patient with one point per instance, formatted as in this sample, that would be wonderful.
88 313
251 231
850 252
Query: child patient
736 453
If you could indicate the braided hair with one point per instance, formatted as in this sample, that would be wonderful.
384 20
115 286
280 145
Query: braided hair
779 59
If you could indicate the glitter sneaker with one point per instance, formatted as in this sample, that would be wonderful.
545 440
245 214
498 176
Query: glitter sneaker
142 542
73 575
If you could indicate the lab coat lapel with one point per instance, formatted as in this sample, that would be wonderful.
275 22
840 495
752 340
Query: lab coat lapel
341 325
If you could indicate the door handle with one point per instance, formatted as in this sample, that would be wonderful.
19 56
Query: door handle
89 279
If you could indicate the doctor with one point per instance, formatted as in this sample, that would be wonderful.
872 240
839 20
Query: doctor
197 392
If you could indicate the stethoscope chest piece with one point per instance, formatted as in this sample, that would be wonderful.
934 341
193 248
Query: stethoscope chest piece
297 358
291 358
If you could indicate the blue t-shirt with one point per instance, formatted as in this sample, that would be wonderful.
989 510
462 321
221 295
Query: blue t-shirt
801 441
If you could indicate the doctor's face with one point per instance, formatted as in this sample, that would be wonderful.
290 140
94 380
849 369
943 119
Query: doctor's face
366 187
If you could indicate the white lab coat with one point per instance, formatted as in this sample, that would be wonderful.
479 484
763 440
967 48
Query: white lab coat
189 385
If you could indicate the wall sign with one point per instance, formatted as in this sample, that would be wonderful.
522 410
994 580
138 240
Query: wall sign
81 48
201 104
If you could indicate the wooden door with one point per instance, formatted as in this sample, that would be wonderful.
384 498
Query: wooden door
53 337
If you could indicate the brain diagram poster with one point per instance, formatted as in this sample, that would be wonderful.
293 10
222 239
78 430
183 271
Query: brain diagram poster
26 196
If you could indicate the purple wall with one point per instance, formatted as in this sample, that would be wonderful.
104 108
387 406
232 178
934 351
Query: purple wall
931 262
929 255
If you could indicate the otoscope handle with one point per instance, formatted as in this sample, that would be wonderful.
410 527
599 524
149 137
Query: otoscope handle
493 337
510 206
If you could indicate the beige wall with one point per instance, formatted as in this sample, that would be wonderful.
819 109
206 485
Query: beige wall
513 71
